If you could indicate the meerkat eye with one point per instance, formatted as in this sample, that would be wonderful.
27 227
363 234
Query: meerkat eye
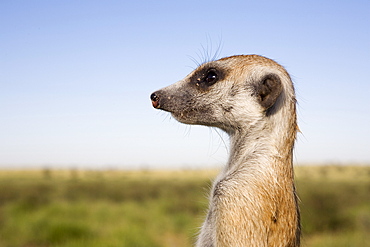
211 78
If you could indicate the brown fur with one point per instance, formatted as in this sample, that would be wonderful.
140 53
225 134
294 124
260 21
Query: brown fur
253 201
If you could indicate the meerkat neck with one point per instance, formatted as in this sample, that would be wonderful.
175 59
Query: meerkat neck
247 148
261 157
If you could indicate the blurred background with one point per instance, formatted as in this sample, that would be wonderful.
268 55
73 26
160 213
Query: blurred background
86 161
76 77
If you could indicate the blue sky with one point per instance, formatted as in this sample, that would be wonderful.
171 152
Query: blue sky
75 78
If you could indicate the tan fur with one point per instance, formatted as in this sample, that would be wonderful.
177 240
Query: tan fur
253 200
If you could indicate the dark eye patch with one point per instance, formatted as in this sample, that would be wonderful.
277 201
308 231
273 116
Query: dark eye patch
207 76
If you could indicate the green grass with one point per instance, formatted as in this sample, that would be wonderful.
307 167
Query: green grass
45 208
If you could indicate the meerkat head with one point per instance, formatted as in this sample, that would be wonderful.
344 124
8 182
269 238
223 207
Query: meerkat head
231 93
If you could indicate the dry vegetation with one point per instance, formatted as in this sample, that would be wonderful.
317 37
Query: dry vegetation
163 208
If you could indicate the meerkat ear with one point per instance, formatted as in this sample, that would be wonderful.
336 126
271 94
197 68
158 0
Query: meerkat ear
268 90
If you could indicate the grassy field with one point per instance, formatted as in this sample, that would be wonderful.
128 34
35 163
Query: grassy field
44 208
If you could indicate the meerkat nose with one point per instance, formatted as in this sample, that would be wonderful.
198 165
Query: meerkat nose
155 100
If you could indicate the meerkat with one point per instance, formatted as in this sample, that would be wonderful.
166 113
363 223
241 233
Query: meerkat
253 200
